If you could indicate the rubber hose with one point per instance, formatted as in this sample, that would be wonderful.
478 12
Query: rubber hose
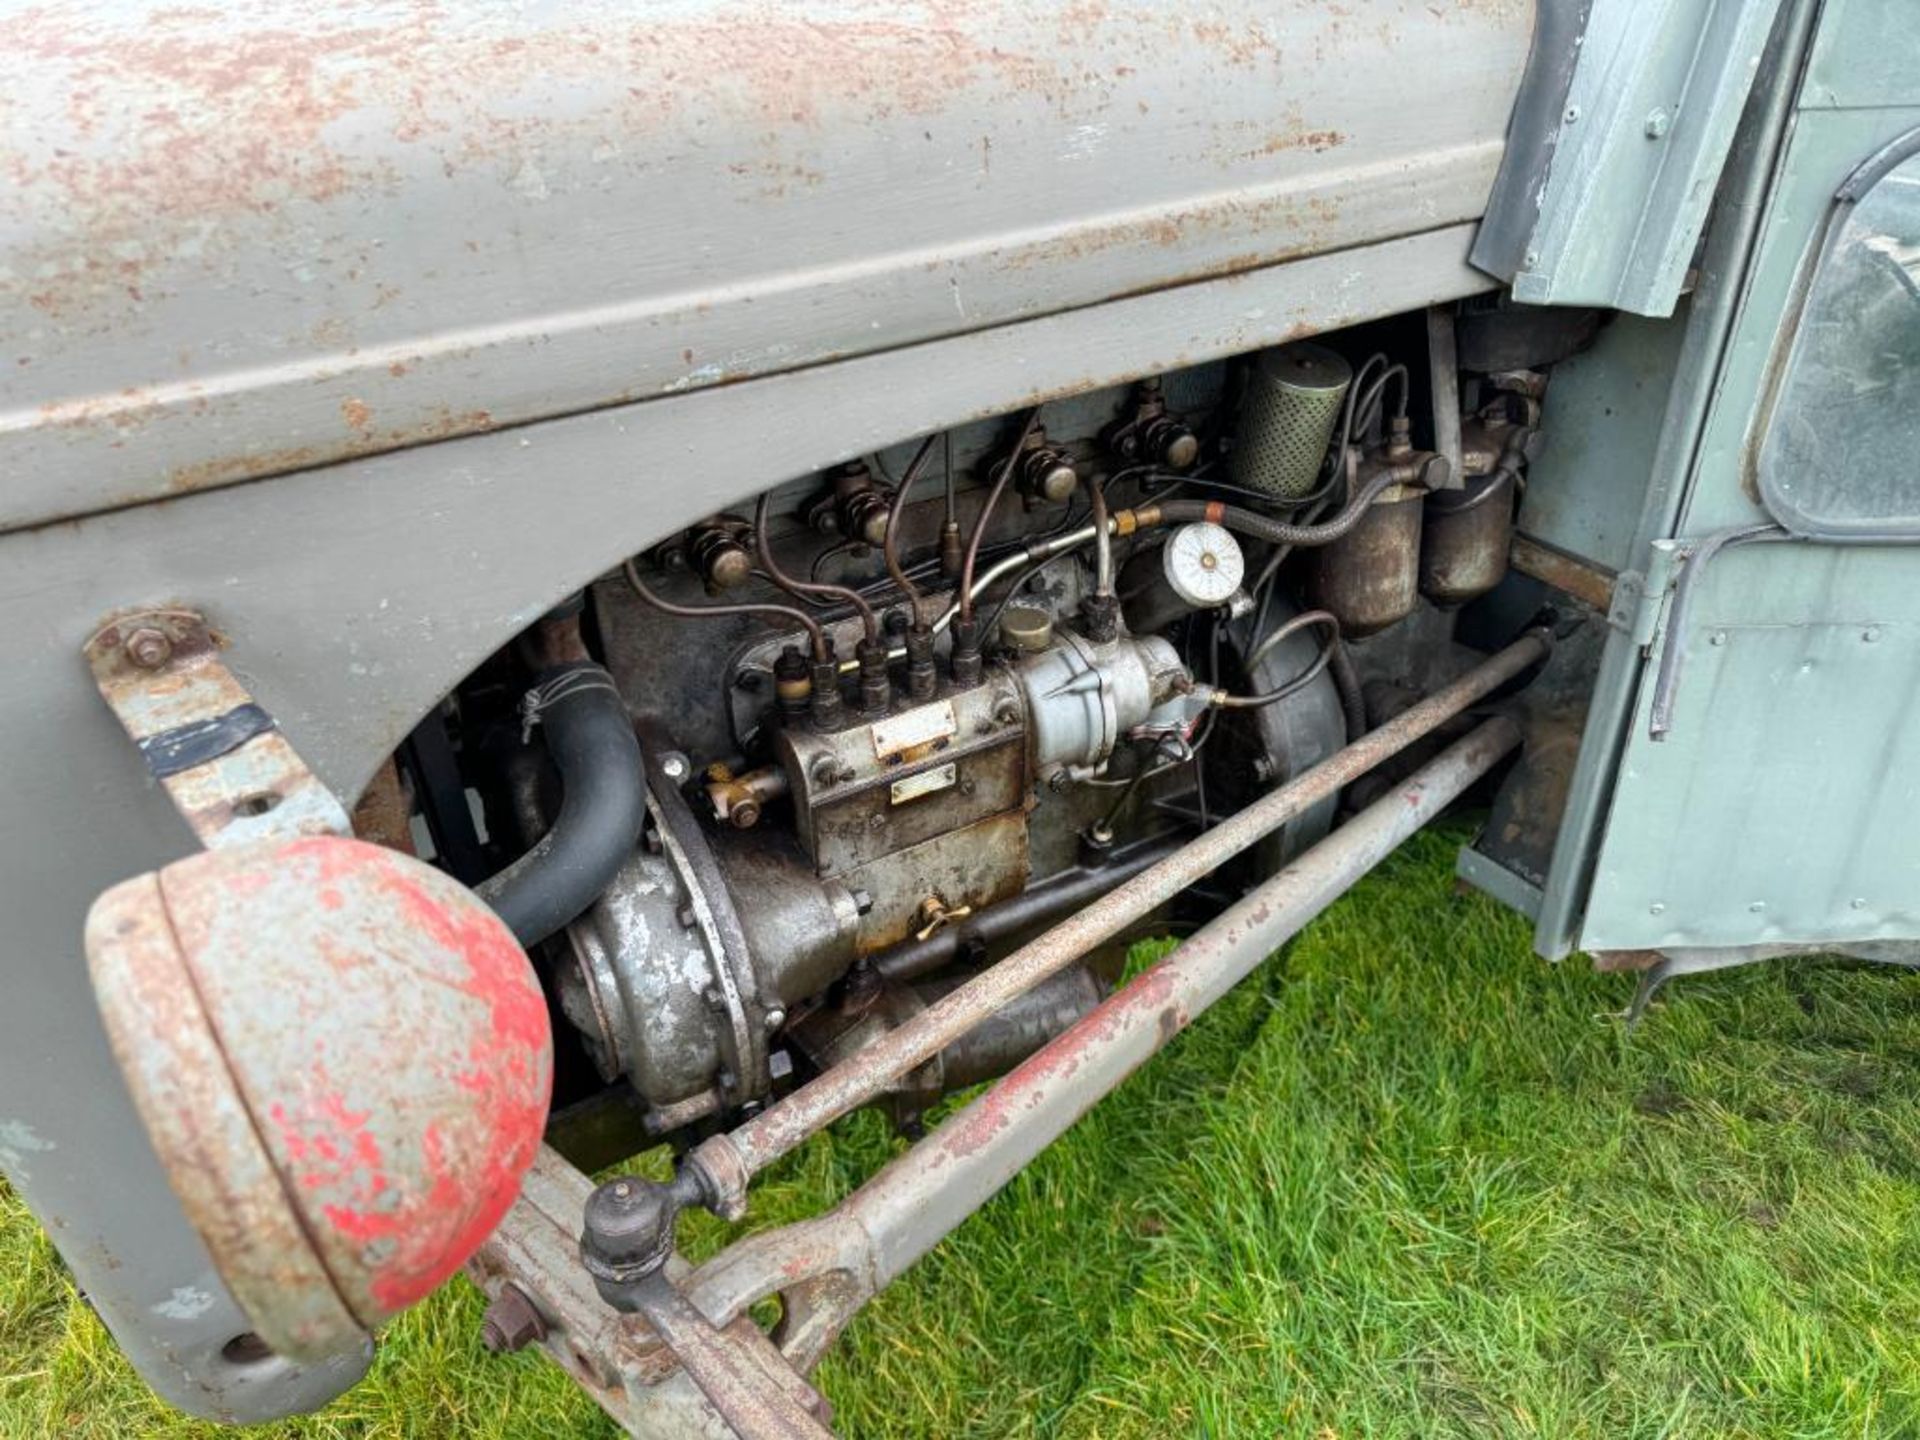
1346 681
1276 532
603 804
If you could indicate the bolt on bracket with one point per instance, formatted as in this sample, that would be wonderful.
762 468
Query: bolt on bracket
218 754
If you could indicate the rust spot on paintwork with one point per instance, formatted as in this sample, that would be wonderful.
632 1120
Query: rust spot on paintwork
1318 141
221 470
1243 45
355 412
223 111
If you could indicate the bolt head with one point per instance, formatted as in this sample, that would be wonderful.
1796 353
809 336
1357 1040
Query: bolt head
776 1017
675 766
149 648
511 1322
1658 123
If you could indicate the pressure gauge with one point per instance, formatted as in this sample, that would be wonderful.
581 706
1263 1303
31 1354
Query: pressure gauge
1203 564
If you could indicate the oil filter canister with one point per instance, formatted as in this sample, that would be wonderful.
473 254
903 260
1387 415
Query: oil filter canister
1293 399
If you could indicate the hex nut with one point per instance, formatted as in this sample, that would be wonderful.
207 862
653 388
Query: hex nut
149 648
512 1322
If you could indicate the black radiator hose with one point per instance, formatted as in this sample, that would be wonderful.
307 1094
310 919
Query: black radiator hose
1277 532
603 804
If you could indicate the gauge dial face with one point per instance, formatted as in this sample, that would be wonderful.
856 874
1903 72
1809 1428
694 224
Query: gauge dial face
1203 564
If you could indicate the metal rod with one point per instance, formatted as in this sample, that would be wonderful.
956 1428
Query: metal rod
923 1195
828 1266
748 1398
727 1161
1102 541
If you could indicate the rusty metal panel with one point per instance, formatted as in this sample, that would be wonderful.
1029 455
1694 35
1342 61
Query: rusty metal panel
241 239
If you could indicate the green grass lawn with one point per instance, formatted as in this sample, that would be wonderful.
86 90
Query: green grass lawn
1406 1181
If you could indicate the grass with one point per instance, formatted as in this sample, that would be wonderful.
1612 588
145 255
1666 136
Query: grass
1405 1181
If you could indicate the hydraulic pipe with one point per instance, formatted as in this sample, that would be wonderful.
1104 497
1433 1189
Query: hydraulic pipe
1265 527
724 1163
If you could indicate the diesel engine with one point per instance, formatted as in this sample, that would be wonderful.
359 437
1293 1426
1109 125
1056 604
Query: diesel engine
783 779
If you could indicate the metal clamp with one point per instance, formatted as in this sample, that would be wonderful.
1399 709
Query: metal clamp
218 754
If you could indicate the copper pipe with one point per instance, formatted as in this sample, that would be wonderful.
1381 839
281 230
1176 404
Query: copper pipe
889 546
818 637
1007 467
786 582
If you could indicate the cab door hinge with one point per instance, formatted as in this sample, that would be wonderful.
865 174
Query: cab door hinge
1641 597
